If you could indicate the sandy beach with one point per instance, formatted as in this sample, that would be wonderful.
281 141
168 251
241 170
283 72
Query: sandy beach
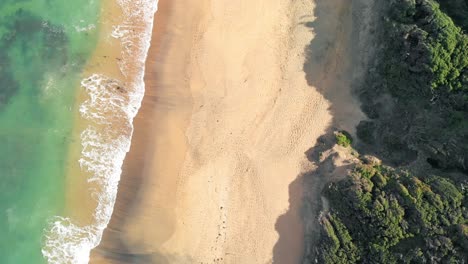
214 171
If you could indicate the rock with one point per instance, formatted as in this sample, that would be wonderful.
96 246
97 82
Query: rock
371 160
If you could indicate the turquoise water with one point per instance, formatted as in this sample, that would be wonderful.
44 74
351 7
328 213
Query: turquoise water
43 48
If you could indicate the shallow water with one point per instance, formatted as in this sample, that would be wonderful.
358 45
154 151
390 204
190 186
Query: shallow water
44 45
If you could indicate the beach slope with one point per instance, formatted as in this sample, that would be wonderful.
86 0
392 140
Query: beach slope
214 171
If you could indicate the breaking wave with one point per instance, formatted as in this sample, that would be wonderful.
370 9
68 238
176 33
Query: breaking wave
104 144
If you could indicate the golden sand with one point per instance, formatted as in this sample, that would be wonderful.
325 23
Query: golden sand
213 174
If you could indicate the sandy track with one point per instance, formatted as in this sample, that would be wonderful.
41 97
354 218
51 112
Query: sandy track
212 176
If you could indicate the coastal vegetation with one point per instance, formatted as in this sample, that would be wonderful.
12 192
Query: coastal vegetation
343 138
413 209
382 215
457 10
416 95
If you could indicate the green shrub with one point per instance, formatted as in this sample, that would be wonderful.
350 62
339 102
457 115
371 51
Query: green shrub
343 139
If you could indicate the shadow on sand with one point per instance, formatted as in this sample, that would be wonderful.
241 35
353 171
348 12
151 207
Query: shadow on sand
333 65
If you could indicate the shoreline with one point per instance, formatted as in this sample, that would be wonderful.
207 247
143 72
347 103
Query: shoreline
107 100
101 61
113 248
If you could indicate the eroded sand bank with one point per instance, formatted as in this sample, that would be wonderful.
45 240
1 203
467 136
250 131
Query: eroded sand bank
220 140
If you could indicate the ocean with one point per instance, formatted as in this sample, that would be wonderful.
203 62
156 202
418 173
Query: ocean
55 96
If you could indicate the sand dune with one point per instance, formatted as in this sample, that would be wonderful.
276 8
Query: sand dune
212 176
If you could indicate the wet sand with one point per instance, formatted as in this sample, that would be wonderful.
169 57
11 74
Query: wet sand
213 171
104 109
158 146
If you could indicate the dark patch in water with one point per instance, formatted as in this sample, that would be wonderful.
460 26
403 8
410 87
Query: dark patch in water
8 86
29 33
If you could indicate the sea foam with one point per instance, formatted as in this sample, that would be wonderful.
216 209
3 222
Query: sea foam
104 147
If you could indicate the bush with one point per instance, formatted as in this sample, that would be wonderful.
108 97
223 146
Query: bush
343 139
